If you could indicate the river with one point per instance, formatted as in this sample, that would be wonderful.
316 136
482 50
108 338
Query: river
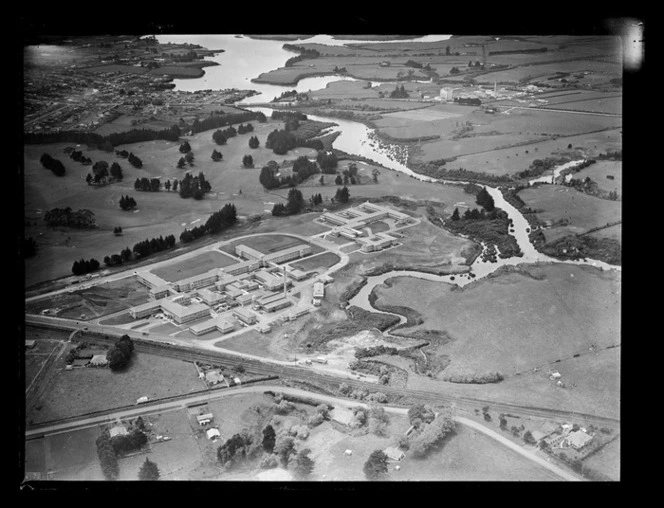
245 58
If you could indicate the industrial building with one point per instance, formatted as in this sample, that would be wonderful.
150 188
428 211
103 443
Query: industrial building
278 304
245 315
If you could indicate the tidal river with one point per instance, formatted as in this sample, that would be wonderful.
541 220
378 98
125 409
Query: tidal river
245 58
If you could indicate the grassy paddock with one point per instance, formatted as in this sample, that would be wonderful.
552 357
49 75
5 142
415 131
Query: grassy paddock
194 266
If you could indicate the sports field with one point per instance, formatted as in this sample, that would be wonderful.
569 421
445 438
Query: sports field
197 265
323 261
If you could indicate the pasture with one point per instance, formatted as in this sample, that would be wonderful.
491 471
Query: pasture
599 171
190 267
581 211
527 317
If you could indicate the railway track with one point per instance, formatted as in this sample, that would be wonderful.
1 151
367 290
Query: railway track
306 374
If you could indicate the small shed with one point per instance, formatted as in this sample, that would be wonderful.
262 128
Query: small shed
119 430
99 361
348 453
204 419
29 344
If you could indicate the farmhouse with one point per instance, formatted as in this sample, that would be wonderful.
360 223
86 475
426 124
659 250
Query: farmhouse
99 361
119 430
204 419
576 440
394 453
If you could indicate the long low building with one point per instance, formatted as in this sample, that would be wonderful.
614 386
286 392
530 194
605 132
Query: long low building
218 323
150 279
245 315
375 242
275 305
361 215
180 309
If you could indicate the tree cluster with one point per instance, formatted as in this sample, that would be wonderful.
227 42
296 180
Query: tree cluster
127 443
220 136
120 354
77 155
135 161
454 70
235 449
304 54
399 93
216 155
294 205
82 219
316 199
147 184
107 457
243 129
431 436
476 64
485 200
83 266
342 195
280 141
216 223
375 468
216 121
194 186
253 142
185 147
327 161
54 165
127 203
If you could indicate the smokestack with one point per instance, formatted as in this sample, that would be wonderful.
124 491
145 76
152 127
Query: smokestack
285 285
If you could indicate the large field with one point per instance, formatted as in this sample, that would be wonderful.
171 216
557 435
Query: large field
526 319
581 211
194 266
94 301
88 389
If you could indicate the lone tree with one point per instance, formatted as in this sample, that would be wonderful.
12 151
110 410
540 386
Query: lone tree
216 155
149 471
455 214
247 161
185 147
375 468
269 438
342 195
253 142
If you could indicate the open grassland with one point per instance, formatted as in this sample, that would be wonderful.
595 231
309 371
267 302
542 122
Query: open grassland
194 266
93 302
491 133
84 390
599 171
36 357
530 317
607 71
518 158
606 461
581 211
610 105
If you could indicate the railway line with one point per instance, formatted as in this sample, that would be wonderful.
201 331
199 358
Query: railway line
267 369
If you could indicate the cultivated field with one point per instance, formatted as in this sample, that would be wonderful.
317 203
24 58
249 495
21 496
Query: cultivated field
581 211
194 266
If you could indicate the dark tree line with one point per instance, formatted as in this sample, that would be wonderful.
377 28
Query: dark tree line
135 161
54 165
127 202
147 184
216 223
146 247
83 266
216 121
304 54
485 200
100 142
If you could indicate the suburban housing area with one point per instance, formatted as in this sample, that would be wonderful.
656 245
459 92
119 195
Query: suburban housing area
360 258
